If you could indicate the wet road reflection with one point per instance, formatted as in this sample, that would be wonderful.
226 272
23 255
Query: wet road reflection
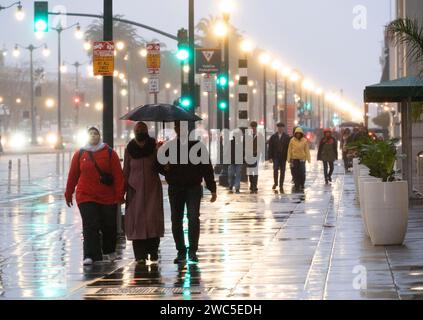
265 246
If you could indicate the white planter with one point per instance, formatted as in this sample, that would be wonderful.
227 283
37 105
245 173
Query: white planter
361 181
358 171
386 211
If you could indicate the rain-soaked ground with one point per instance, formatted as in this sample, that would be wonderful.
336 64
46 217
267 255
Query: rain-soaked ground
265 246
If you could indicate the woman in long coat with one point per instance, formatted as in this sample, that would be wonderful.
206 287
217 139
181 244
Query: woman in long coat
144 217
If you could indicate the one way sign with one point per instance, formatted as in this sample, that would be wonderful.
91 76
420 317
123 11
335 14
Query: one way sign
208 60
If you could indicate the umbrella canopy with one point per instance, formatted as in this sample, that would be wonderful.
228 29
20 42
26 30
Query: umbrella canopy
160 113
349 124
409 88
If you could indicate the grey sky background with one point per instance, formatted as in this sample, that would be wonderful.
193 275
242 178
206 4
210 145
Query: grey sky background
315 36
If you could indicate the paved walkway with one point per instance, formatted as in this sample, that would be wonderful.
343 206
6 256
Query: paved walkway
265 246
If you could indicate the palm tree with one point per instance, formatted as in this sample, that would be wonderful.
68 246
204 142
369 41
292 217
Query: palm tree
409 33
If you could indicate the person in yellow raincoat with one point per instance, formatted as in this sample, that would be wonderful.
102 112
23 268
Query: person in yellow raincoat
298 154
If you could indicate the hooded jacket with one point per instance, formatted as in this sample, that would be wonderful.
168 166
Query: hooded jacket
299 148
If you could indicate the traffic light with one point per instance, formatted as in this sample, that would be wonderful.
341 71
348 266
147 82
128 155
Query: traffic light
222 81
183 45
185 101
41 16
222 104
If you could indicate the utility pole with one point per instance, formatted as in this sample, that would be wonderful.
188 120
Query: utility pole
191 61
108 80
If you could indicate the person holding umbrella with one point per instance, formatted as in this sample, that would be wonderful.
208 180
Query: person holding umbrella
185 190
144 217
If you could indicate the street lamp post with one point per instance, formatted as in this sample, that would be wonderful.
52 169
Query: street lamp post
31 48
264 60
20 14
276 66
59 29
77 104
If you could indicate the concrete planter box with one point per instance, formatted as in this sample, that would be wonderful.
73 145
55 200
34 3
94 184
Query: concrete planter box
386 211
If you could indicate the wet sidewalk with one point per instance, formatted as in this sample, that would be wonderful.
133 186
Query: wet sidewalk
264 246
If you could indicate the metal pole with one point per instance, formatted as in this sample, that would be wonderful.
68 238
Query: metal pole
156 125
19 176
285 113
28 167
33 124
226 112
59 91
108 80
191 59
276 96
265 105
9 178
77 105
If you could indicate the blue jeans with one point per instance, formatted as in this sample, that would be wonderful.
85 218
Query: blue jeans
234 175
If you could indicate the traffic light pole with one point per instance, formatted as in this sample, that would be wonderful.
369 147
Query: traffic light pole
108 80
191 60
226 112
59 144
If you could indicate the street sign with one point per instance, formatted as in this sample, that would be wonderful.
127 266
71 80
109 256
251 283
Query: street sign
103 58
153 58
154 85
208 60
208 83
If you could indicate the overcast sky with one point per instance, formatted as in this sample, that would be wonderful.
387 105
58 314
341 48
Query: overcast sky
316 36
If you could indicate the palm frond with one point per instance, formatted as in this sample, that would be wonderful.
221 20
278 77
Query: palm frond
408 32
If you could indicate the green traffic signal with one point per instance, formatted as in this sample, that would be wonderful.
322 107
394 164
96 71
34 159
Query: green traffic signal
186 102
223 105
222 81
182 54
183 45
41 16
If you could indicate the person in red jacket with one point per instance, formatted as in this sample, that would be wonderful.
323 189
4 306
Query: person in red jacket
97 174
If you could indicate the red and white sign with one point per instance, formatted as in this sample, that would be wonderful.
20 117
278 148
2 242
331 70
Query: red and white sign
103 58
153 58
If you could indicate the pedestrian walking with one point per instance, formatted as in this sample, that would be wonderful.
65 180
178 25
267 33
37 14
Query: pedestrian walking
235 168
185 191
97 175
328 153
253 167
278 154
144 216
346 155
298 154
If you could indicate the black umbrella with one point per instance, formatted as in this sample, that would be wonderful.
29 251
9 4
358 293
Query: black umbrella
349 124
160 113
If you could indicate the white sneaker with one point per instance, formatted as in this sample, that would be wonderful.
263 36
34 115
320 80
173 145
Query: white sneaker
88 261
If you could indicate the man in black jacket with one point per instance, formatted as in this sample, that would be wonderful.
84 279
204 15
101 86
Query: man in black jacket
185 190
278 153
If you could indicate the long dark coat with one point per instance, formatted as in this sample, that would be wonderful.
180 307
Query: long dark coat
144 216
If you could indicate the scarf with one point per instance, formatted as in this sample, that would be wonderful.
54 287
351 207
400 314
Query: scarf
137 152
94 148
